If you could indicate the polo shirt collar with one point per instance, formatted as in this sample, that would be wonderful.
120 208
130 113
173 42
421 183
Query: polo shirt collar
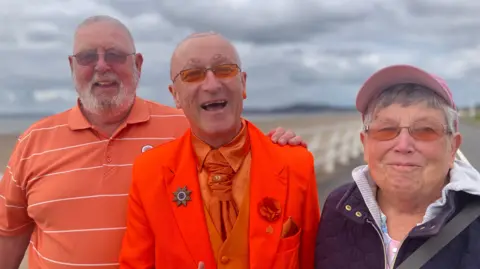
140 112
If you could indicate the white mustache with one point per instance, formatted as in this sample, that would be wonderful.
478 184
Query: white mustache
110 77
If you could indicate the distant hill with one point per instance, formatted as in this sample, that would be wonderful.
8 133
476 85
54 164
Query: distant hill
304 108
25 115
288 109
299 108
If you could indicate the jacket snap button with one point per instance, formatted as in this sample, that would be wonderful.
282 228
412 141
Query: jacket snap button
358 214
224 259
348 207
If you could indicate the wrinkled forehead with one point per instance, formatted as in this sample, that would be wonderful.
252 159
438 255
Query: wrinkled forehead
102 35
203 52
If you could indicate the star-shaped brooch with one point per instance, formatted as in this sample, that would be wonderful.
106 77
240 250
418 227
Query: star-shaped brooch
182 196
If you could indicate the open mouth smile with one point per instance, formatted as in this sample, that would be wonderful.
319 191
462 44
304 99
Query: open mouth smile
214 105
105 84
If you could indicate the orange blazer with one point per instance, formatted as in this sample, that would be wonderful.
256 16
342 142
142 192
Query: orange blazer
161 234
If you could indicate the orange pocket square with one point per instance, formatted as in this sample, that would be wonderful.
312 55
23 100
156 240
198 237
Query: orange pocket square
290 228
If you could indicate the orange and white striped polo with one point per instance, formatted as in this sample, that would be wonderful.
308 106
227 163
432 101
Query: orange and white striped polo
71 183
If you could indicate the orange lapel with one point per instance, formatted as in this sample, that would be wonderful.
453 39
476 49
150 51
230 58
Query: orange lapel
190 218
268 178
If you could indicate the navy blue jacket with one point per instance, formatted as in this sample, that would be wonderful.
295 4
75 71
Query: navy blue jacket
349 238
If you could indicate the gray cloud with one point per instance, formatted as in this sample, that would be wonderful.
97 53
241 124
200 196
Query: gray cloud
269 23
317 51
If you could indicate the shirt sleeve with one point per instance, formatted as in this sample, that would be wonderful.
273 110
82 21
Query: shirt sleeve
14 219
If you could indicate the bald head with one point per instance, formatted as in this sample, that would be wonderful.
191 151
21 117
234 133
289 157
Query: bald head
104 19
191 40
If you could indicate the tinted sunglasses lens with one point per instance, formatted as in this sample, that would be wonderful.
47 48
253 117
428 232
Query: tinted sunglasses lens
226 71
383 133
220 71
427 132
115 58
86 58
192 75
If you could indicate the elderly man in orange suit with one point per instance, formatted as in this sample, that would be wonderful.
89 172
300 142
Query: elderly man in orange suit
222 195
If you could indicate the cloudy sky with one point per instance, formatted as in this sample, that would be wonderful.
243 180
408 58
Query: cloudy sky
314 50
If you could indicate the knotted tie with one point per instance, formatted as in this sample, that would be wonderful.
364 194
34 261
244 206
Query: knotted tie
223 209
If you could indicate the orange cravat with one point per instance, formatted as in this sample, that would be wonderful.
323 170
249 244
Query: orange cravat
223 209
218 179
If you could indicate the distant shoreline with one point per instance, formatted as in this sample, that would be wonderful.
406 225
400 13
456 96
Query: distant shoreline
249 112
17 124
303 108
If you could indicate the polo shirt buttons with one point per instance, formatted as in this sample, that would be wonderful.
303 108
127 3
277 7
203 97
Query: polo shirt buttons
109 160
224 259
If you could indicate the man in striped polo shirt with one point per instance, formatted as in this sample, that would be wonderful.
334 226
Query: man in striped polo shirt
64 191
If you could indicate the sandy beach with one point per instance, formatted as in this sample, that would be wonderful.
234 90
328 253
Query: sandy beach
7 142
297 123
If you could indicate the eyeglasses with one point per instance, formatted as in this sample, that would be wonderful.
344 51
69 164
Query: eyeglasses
422 131
199 74
89 58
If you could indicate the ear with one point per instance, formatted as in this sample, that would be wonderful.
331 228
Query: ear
70 62
365 152
455 143
175 96
139 61
244 84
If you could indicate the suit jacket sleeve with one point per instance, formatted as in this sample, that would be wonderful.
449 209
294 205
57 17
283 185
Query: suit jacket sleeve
312 218
138 248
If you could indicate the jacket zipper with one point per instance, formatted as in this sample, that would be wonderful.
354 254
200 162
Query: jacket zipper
396 254
398 251
383 244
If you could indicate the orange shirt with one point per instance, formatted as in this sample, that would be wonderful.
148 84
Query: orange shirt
233 252
72 184
235 156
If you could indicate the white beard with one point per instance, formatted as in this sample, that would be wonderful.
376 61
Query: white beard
111 106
